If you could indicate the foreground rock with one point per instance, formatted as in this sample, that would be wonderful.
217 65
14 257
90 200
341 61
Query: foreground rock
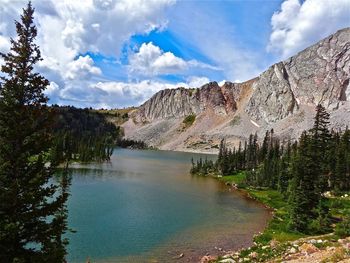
307 250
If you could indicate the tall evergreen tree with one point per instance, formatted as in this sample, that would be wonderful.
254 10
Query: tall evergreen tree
321 153
32 205
304 198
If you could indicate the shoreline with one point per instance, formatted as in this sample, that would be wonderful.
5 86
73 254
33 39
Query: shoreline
285 246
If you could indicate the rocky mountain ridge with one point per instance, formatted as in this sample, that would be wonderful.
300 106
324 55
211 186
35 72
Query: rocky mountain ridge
283 98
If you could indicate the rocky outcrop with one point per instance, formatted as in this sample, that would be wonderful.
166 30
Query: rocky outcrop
273 98
283 98
181 102
318 74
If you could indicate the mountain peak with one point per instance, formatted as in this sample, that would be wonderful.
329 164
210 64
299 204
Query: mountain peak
283 98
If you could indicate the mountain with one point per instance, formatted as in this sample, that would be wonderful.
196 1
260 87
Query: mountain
282 98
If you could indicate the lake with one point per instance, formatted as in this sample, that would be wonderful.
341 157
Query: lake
144 206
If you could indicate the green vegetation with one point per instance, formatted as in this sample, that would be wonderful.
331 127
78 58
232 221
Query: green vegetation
277 228
235 121
191 91
189 120
82 135
132 144
292 178
33 216
116 116
238 179
340 208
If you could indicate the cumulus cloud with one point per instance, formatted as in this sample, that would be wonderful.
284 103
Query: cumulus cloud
4 44
196 82
150 60
116 94
68 29
297 25
83 67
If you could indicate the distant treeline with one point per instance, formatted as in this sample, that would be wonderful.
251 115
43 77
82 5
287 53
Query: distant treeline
132 144
82 135
302 170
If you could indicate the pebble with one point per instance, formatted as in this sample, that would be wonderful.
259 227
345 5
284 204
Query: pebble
293 250
206 259
227 260
308 248
253 255
312 241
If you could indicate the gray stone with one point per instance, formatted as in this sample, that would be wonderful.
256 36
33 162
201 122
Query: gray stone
318 74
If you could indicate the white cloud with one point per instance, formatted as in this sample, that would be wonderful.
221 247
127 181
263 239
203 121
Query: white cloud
82 68
150 60
104 25
67 29
222 82
196 82
298 25
4 44
115 94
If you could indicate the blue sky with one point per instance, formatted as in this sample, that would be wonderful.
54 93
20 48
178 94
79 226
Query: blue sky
118 53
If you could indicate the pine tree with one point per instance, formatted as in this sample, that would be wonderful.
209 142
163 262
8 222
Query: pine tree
32 206
304 197
283 172
321 156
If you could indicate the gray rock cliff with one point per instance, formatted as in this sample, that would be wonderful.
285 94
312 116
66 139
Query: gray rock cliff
181 102
283 98
318 74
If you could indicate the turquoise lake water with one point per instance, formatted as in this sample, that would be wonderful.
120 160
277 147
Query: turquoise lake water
144 206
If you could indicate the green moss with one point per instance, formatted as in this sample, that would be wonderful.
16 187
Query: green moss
277 228
189 120
235 121
271 198
238 179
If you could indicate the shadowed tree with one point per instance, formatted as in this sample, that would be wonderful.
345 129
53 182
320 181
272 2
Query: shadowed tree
32 203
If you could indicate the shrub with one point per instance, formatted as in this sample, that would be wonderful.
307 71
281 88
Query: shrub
343 228
189 120
235 121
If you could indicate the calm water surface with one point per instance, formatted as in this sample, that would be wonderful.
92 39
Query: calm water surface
144 206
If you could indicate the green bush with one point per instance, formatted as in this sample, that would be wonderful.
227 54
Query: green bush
189 120
343 228
235 121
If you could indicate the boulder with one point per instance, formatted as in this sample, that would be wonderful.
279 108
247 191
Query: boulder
308 249
207 259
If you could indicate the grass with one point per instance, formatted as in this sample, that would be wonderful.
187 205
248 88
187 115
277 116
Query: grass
116 116
277 228
235 121
238 179
191 91
189 120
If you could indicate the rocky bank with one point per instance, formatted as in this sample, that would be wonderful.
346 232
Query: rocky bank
317 249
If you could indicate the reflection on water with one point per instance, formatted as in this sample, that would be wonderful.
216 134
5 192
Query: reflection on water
144 205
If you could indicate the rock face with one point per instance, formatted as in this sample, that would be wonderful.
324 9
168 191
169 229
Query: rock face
283 98
318 74
181 102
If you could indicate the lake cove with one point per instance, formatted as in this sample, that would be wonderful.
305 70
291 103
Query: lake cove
144 206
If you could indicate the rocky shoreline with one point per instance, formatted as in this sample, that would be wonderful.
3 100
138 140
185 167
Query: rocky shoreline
325 248
311 249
